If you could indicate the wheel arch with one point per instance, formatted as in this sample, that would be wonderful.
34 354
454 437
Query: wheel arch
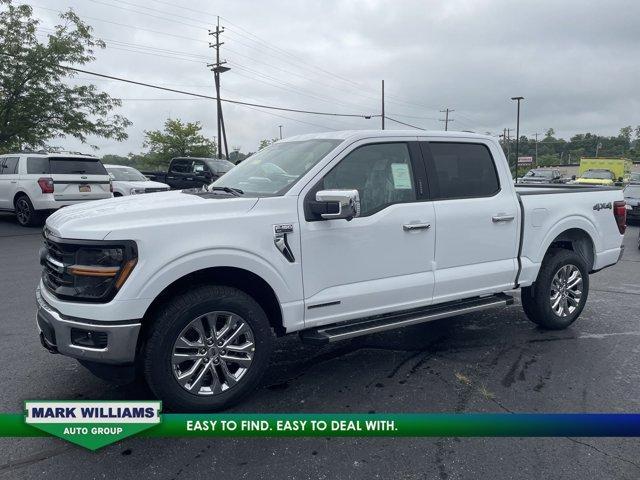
575 239
242 279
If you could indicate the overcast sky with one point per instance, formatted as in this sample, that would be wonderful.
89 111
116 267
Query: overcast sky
575 62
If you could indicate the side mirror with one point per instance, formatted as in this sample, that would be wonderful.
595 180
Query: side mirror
573 177
620 179
334 204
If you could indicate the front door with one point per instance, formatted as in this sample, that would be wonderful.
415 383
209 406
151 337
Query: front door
378 262
478 220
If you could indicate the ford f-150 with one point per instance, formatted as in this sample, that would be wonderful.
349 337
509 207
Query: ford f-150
331 236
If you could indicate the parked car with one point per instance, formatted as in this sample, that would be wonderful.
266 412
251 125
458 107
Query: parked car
620 169
34 184
191 172
596 177
129 181
331 236
542 175
632 197
634 178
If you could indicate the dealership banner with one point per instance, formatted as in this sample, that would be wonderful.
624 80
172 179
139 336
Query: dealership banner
96 424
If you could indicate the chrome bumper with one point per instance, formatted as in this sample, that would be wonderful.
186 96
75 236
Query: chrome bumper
55 335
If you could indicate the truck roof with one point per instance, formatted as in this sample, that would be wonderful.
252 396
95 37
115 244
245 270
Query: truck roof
362 134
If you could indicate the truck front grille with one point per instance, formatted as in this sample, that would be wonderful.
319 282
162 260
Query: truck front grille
54 258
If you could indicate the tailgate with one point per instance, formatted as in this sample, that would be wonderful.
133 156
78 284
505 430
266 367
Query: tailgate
79 179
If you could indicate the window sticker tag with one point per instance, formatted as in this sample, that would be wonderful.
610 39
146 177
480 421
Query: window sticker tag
401 177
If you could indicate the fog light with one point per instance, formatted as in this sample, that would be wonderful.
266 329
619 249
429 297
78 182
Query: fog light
88 338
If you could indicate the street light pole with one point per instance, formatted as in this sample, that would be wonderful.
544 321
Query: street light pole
280 127
517 133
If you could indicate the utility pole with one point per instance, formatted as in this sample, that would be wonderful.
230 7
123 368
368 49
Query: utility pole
382 105
446 119
280 127
218 68
536 135
517 133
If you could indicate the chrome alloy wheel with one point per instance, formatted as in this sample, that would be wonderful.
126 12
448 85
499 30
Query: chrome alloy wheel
212 353
566 290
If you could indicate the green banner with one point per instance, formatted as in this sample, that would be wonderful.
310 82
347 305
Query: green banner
92 424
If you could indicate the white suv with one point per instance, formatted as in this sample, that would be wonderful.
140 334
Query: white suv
34 184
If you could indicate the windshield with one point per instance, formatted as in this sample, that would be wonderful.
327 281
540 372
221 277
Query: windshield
539 173
632 191
274 169
126 174
598 174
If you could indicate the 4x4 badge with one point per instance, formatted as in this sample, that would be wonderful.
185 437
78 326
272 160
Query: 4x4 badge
600 206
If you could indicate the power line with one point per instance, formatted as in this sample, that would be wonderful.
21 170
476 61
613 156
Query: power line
227 100
403 123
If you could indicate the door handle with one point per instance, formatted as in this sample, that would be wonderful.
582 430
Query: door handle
407 227
14 181
502 217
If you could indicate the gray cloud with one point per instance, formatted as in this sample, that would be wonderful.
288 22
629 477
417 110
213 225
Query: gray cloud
574 61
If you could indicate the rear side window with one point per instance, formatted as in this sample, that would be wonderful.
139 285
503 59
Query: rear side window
38 165
462 170
181 166
76 166
10 166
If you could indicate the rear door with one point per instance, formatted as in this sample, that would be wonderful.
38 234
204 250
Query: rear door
78 179
477 216
8 181
179 170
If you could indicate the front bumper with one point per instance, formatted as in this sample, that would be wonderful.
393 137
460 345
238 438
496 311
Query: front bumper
56 336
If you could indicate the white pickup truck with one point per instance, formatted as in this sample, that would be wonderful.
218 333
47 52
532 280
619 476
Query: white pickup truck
333 236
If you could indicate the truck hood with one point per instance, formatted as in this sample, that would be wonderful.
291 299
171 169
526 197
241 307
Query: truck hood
95 220
139 184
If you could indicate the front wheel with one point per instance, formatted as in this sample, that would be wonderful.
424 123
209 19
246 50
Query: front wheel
560 292
208 348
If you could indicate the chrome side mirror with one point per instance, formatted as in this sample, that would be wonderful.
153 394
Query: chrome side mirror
339 204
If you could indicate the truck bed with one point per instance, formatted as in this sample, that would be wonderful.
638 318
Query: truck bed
544 217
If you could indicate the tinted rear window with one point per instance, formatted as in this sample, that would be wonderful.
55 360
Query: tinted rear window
462 170
37 165
76 166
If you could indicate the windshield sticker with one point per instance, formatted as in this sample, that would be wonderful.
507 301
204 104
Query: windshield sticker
401 177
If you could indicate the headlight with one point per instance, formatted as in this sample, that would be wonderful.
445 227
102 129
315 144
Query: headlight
136 191
90 271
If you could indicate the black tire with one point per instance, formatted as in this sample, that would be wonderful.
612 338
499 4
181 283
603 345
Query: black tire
26 215
536 299
174 316
116 194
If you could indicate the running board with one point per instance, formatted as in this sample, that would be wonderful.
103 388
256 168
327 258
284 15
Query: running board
380 323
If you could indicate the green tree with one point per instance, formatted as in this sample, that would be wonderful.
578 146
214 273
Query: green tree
178 139
36 103
266 142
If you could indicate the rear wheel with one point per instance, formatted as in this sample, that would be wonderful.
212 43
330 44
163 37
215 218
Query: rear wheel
208 348
25 213
560 292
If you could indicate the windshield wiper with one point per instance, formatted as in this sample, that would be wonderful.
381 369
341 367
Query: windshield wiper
234 191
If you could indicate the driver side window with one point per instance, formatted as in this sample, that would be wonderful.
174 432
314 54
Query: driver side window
380 172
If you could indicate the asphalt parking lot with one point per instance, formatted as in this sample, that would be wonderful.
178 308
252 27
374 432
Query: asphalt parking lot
496 361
